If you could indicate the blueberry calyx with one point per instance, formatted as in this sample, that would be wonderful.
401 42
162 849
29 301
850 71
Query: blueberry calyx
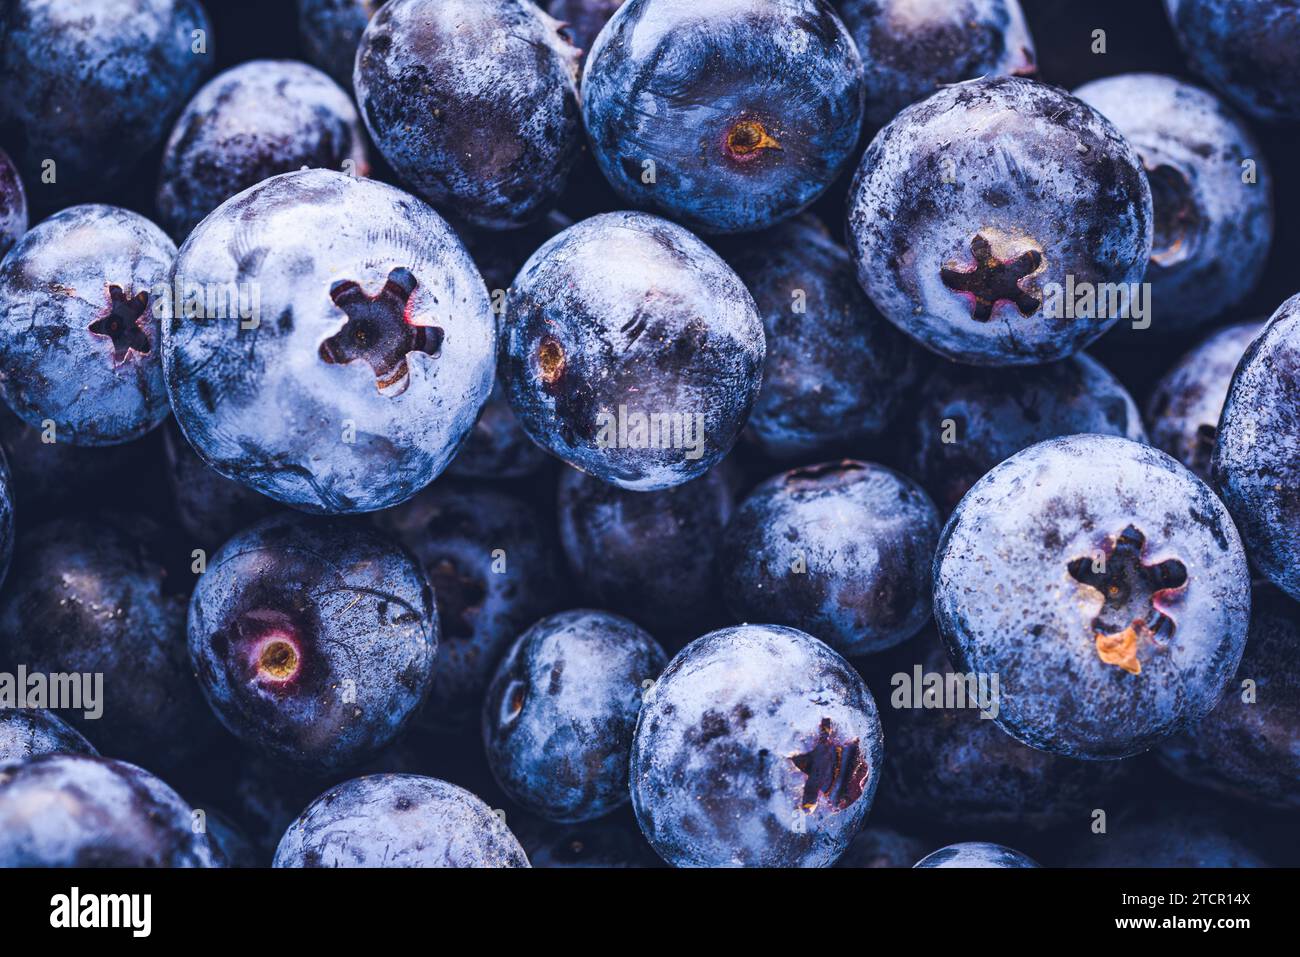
1177 218
747 139
833 768
550 360
1130 589
994 280
379 330
121 323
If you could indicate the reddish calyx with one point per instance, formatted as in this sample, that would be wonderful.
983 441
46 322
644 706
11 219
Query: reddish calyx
834 768
748 139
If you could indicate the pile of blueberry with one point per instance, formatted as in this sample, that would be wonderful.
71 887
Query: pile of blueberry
449 433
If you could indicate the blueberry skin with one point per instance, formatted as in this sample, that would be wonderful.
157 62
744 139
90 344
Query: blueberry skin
912 49
95 84
840 550
748 109
584 19
758 746
247 124
27 732
93 596
629 310
1171 838
208 508
330 31
274 405
950 766
13 205
976 854
836 373
398 820
495 570
559 715
473 103
993 416
1212 230
1249 52
1183 410
648 555
945 238
1107 587
313 639
1256 463
73 810
881 847
79 326
1250 749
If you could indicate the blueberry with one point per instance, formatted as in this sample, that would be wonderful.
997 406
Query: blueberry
91 597
613 841
13 205
398 820
72 810
983 245
1104 584
836 373
912 49
313 639
27 732
1184 408
583 19
726 115
1256 462
559 715
1212 227
330 31
474 103
247 124
93 85
970 419
1249 745
648 555
840 550
366 356
79 297
1248 51
975 854
495 569
1175 837
632 351
881 847
759 746
208 508
952 766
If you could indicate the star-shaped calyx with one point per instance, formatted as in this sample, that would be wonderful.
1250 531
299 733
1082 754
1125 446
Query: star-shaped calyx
834 768
1130 590
121 324
379 330
994 280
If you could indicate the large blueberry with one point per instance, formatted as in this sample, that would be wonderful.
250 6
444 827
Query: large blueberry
398 820
836 373
26 732
92 85
313 639
632 351
726 115
1249 745
249 123
1104 584
1213 218
1256 462
13 205
840 550
1183 410
911 49
970 419
474 103
330 31
1247 50
648 555
1001 222
70 810
559 715
759 746
495 569
91 599
80 296
976 854
333 342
